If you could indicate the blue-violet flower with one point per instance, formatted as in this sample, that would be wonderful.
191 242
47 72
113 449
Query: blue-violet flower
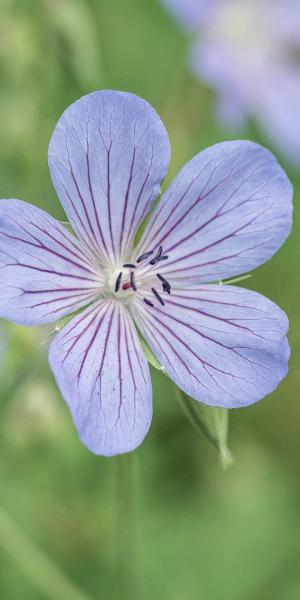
249 52
227 211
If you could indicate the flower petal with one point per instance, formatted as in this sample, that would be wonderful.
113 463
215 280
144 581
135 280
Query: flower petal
108 155
45 272
227 211
222 345
104 378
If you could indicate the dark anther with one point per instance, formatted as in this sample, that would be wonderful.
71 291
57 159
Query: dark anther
157 259
157 256
163 280
166 288
148 302
132 281
144 256
129 266
118 282
157 296
162 258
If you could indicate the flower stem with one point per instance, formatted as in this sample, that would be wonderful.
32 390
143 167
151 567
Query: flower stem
43 572
127 527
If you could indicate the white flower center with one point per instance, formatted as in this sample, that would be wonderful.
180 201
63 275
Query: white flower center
140 278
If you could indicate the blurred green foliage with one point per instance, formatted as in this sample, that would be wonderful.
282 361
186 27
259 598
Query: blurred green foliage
201 533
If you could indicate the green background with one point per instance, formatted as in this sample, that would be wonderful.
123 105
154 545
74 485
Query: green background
166 522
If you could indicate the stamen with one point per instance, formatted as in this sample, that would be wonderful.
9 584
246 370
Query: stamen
157 296
157 256
166 288
148 302
118 282
162 258
132 281
129 266
157 259
163 280
144 256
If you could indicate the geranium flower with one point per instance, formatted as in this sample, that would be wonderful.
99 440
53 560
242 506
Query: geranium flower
249 51
227 211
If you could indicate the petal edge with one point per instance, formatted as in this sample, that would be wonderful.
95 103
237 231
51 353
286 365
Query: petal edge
228 210
46 273
222 345
104 378
107 156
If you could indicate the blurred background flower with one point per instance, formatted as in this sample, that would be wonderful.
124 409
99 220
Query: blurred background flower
249 52
201 533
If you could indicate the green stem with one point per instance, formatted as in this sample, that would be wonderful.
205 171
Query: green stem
127 527
43 572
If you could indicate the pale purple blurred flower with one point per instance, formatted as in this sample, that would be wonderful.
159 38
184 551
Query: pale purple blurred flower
227 211
249 52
